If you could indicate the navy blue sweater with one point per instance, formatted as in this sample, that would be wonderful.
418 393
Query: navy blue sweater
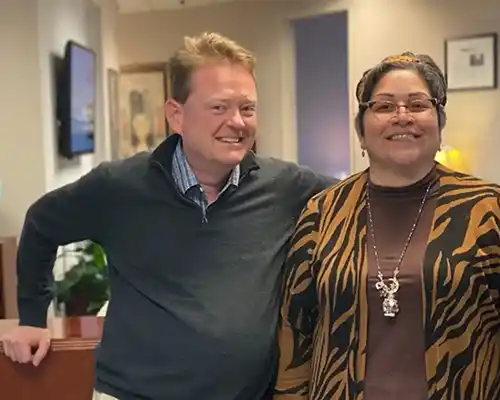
194 302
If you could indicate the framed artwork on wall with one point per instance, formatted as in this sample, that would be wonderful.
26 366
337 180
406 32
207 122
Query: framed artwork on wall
114 112
143 90
471 62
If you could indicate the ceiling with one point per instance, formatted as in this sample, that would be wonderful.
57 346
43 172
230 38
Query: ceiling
133 6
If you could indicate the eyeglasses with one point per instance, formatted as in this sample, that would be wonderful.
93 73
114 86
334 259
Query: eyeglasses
414 106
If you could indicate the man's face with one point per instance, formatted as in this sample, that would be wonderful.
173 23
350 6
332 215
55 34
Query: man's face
218 121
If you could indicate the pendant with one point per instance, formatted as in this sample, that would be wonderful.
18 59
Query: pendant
390 305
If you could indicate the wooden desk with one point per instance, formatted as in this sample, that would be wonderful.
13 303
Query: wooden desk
67 373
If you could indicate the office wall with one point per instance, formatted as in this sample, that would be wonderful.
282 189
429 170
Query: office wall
58 22
376 28
31 31
150 37
21 158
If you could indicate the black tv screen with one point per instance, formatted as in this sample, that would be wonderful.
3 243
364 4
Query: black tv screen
77 134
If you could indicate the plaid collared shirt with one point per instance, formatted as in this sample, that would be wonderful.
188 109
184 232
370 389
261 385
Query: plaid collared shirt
186 180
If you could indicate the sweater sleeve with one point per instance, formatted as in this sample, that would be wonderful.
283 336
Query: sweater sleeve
307 183
298 311
72 213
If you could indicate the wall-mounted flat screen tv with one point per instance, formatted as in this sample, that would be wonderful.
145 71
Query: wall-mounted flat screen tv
78 108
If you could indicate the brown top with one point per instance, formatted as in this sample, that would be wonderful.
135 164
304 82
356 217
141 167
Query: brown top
395 364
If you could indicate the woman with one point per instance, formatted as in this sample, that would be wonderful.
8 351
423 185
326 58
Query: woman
393 279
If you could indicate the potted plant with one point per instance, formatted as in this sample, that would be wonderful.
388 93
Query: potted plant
84 288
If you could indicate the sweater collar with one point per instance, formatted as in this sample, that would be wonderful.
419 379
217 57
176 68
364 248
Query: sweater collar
163 154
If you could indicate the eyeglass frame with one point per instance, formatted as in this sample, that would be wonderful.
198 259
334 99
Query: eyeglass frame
368 104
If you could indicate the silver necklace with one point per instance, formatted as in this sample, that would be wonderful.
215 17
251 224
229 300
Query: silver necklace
390 305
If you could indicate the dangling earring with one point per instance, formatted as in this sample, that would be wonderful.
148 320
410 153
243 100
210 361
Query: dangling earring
363 153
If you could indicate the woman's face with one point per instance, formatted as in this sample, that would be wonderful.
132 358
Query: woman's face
401 125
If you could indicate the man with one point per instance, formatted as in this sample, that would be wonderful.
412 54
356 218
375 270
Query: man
195 235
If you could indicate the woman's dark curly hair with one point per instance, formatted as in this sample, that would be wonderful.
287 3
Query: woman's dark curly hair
423 64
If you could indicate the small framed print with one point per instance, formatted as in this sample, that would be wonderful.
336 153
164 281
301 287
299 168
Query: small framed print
471 62
143 90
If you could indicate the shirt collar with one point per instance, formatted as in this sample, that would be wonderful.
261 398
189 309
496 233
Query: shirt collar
184 176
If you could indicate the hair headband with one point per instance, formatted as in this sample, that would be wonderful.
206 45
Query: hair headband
390 59
401 58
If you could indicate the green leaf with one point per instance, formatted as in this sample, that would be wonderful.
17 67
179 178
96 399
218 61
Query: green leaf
86 280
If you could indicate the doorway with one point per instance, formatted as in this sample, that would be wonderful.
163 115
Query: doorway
322 95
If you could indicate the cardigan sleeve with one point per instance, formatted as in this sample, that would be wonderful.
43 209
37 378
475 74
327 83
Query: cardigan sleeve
494 270
298 311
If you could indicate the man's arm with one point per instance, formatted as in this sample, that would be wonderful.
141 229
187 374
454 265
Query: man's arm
298 311
72 213
306 183
313 182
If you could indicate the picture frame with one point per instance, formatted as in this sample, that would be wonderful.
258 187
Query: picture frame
114 112
471 62
143 90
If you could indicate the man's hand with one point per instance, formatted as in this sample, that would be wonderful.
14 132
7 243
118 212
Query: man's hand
19 343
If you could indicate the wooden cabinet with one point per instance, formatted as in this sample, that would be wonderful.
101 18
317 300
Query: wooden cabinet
8 282
67 373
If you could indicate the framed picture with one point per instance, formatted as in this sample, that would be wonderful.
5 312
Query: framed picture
471 62
114 112
143 90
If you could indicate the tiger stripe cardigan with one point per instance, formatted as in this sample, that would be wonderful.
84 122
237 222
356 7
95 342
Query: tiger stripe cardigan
323 322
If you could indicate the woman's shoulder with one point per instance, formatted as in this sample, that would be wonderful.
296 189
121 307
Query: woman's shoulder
464 194
464 185
343 192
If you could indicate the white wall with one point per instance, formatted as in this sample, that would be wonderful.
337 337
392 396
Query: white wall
92 26
58 22
21 155
31 31
109 60
376 28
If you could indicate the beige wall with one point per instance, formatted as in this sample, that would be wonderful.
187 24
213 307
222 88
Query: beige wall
21 156
29 164
154 36
88 24
376 28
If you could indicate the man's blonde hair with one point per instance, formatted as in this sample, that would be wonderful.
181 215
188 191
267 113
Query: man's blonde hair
198 50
